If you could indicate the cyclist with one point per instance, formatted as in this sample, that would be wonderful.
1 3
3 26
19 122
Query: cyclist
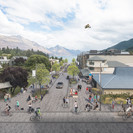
129 110
7 109
37 111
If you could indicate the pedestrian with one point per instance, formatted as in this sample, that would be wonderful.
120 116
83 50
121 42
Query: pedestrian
127 102
71 92
41 97
9 97
30 107
17 105
113 104
22 89
29 98
64 100
95 98
76 106
90 98
5 98
98 97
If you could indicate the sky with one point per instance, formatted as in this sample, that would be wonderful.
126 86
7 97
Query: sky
62 22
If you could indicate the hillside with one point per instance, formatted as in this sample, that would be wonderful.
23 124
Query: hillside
61 51
21 43
124 45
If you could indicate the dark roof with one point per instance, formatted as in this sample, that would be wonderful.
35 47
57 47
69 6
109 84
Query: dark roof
116 64
85 72
122 78
96 58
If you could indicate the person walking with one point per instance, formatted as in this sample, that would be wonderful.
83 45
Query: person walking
95 98
41 97
5 98
76 106
17 105
113 104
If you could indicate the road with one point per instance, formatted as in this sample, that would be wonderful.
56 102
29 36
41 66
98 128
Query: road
55 118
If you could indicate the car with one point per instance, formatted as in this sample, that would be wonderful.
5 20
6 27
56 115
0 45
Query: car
67 77
59 85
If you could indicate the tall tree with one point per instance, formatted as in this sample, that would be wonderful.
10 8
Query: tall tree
42 75
73 70
17 76
38 59
56 67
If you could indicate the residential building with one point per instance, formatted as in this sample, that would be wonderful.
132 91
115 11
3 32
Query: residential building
4 60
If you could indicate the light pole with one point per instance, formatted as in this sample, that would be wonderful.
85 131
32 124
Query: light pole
100 86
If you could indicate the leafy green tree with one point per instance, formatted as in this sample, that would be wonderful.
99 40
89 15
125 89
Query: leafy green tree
73 70
42 75
61 63
56 67
66 60
73 60
37 59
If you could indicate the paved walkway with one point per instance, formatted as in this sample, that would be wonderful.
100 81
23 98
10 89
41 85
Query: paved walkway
52 109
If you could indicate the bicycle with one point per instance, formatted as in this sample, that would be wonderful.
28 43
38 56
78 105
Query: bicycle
126 116
4 113
35 118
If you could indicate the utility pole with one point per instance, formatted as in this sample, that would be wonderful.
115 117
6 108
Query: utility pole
100 87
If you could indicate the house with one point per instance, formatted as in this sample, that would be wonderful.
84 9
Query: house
4 60
121 81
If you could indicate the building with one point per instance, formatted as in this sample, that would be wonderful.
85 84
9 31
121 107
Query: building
97 64
4 60
121 81
123 57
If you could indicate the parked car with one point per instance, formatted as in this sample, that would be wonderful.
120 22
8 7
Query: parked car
59 85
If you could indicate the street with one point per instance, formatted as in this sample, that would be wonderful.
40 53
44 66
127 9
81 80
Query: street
55 118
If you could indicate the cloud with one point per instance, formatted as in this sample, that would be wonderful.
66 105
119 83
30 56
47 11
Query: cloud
62 22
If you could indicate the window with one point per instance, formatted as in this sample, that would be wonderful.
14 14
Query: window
91 68
91 63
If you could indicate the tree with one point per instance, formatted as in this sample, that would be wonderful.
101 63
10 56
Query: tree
61 63
73 60
73 70
19 61
42 75
66 60
17 76
56 67
38 59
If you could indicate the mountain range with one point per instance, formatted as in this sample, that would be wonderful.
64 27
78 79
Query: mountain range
25 44
124 45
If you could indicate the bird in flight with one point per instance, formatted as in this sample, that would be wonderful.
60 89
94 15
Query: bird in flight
87 26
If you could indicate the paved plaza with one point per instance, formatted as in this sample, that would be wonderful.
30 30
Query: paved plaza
56 118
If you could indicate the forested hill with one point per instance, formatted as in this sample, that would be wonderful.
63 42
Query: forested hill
124 45
18 52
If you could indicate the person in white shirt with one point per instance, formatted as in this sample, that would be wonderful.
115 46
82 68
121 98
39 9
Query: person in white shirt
129 110
76 106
